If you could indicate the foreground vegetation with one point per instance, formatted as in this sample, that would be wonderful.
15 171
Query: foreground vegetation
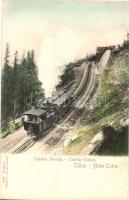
10 128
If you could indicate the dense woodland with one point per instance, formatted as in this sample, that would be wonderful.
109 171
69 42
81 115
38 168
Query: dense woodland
20 86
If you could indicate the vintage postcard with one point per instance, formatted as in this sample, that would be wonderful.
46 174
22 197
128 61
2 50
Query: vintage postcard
64 100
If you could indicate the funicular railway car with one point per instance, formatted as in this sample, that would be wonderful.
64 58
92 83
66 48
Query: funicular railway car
39 119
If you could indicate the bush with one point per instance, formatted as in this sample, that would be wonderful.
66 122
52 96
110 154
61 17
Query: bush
9 129
17 126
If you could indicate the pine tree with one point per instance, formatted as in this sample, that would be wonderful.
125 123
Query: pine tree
28 85
22 85
15 76
6 88
19 83
36 86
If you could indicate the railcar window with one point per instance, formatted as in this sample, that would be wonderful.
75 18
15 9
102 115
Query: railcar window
26 118
34 119
39 120
30 118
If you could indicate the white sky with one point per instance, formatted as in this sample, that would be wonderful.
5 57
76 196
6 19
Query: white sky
62 31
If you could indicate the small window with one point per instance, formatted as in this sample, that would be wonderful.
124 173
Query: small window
26 118
34 119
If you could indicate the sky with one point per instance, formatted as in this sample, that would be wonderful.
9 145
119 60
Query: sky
62 31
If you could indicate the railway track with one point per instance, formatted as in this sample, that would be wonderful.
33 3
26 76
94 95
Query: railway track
79 91
29 142
89 89
68 117
23 145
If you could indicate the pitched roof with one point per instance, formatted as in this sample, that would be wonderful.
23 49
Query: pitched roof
35 111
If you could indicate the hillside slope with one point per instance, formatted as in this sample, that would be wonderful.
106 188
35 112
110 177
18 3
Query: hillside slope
111 108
